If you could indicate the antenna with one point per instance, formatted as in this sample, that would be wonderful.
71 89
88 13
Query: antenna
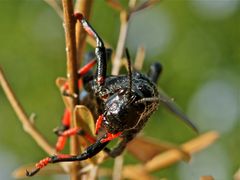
129 71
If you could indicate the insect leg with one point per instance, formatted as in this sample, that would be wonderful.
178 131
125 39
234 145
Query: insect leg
99 51
88 153
70 132
85 69
116 151
89 76
129 72
99 123
65 126
110 137
155 71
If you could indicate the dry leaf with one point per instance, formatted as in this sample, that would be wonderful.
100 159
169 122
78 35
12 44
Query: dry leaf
60 82
145 148
172 156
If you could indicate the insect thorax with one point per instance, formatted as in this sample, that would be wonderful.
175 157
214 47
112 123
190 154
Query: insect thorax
142 87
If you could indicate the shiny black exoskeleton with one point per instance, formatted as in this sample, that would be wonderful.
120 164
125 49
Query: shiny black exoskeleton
126 103
125 108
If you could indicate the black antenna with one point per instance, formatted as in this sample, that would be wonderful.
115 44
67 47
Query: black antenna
129 71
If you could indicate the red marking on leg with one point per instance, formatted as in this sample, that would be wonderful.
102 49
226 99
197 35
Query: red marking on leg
76 130
110 137
87 67
79 16
80 84
65 86
86 25
63 156
44 162
70 132
60 143
98 123
66 118
88 30
90 138
63 138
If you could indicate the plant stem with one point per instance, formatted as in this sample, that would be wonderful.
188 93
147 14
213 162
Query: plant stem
28 126
69 27
56 7
172 156
124 17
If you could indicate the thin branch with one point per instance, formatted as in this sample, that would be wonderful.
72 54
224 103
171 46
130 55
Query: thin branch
84 7
115 5
93 173
69 27
55 6
140 56
118 167
144 5
132 3
124 17
27 122
28 126
173 155
169 157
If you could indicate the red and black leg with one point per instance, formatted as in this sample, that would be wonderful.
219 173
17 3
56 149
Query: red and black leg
100 50
64 127
116 151
108 136
65 122
91 151
65 131
66 117
81 72
70 132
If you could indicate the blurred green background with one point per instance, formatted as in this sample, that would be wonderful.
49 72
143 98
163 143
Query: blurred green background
198 43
